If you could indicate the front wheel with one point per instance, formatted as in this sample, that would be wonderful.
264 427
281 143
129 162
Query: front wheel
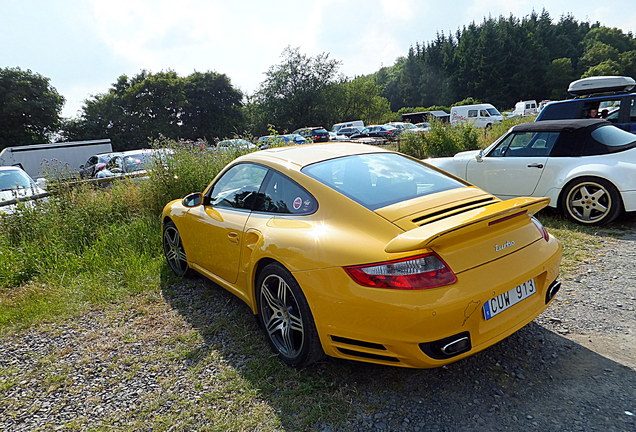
284 314
174 251
591 201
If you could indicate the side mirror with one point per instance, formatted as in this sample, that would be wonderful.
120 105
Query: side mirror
479 156
193 200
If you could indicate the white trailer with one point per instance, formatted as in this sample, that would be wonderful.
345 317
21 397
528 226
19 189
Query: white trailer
53 159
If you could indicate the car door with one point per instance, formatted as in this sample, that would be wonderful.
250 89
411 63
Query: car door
217 228
514 167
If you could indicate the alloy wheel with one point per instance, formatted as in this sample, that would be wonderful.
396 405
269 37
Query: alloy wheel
173 250
281 316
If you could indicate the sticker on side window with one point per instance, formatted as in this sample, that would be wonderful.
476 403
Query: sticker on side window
297 203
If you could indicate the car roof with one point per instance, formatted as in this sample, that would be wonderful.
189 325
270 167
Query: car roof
310 153
11 168
560 125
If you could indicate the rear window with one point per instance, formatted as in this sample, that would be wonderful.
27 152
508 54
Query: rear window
613 137
380 179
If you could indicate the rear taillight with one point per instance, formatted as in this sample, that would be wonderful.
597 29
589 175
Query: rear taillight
413 273
541 228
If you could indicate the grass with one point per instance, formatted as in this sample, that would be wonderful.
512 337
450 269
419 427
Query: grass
97 251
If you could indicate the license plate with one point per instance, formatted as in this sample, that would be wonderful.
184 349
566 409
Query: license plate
500 303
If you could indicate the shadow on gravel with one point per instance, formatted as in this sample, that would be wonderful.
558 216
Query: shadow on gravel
534 380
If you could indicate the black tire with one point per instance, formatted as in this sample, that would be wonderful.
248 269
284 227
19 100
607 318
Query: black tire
285 317
173 250
590 201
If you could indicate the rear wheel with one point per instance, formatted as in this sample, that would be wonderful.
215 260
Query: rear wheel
591 201
284 314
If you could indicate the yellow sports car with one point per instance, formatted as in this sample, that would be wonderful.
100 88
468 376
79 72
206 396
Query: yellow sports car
366 254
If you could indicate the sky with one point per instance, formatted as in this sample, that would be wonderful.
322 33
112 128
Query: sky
82 46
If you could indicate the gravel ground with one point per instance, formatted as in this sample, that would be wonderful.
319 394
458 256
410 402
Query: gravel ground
572 369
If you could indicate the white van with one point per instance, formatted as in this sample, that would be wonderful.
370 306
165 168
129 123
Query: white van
335 128
40 160
481 115
524 108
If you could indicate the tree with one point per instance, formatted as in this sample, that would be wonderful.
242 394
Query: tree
29 108
598 52
560 74
296 92
608 67
360 99
142 108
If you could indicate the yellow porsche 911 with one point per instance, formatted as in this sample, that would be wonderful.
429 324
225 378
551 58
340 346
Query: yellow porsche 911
366 254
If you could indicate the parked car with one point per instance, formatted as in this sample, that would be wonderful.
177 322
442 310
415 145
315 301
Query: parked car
525 108
350 130
16 184
423 127
315 134
133 162
88 170
333 136
480 115
615 104
377 131
586 167
336 128
235 143
288 139
403 126
365 254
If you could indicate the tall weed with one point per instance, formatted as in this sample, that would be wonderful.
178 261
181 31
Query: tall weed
442 140
88 244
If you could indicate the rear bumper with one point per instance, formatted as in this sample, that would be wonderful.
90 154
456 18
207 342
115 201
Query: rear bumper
388 326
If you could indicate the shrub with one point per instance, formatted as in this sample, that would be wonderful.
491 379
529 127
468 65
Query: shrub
490 135
442 140
188 169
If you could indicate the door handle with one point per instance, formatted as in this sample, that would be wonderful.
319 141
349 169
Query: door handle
535 165
233 236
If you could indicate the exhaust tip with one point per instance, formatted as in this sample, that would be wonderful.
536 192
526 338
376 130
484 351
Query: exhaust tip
552 290
448 347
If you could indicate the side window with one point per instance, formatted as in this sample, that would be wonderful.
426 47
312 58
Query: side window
238 187
483 113
283 195
606 109
472 113
502 147
526 144
91 161
632 111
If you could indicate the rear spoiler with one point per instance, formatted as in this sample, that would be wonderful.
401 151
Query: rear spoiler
429 234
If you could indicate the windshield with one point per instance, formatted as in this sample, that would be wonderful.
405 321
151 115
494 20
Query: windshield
14 179
493 111
380 179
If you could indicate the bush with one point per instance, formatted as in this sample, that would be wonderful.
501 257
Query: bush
88 243
490 135
188 169
442 140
